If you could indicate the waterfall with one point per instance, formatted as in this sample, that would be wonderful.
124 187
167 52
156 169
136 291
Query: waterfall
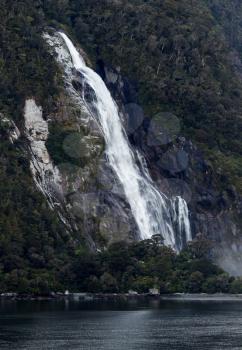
181 222
153 212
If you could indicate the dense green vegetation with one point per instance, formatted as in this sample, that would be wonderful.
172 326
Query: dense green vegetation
33 243
185 57
34 246
149 264
26 67
138 267
182 55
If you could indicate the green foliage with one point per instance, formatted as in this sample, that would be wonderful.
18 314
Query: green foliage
108 283
142 284
168 47
149 264
194 283
27 69
54 145
236 286
34 247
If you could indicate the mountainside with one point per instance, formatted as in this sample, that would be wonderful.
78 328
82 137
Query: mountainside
175 71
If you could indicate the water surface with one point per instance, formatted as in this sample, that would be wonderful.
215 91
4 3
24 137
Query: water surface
69 325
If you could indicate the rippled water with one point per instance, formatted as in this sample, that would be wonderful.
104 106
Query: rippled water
119 326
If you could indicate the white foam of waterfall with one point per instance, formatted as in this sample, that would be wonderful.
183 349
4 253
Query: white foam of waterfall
181 222
150 208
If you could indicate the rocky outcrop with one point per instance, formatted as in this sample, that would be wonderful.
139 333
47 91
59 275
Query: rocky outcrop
46 175
13 131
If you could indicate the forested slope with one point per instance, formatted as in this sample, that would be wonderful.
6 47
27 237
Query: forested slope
183 57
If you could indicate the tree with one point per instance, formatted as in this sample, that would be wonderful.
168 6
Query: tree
143 284
109 283
195 282
236 286
199 247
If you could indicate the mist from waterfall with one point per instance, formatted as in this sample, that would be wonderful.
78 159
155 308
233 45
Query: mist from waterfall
153 212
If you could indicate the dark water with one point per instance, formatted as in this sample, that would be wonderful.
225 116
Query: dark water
120 326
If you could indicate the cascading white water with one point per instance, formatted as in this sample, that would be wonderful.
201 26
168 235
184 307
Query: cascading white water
181 222
151 209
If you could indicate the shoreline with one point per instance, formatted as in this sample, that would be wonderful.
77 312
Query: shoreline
123 297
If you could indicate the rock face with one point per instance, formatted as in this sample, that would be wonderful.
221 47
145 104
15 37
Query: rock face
93 197
13 131
86 197
153 212
45 174
180 169
85 192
